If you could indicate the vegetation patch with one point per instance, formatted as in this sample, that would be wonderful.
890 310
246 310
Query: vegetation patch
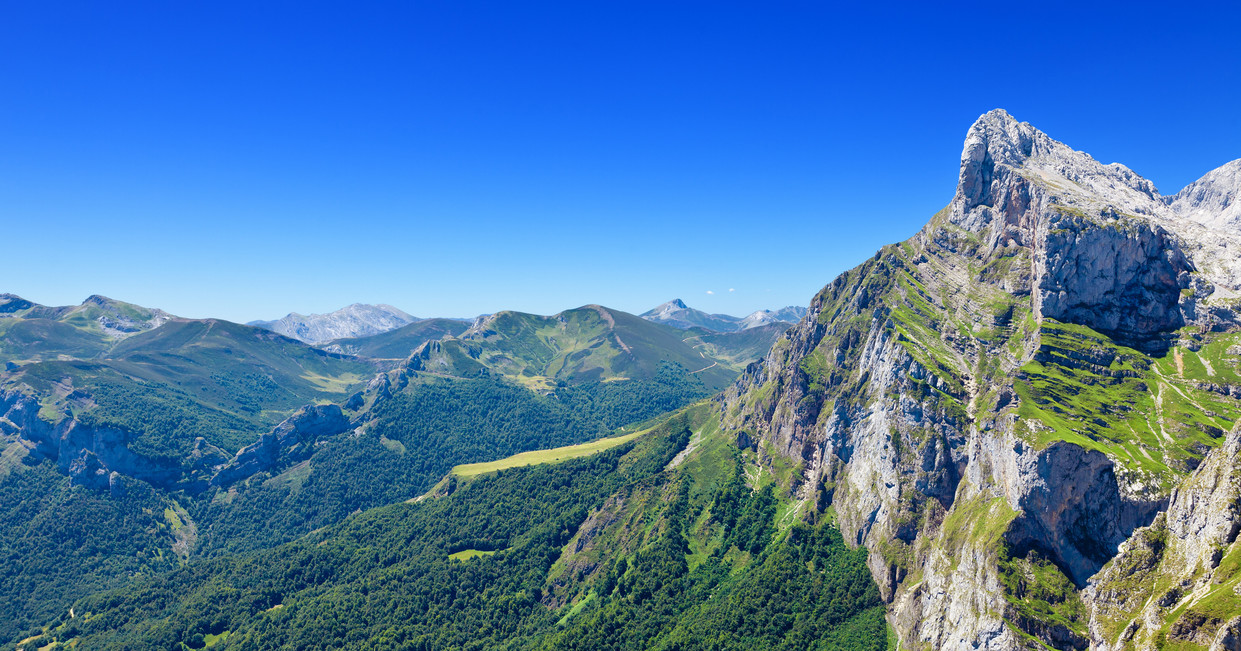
1040 592
554 455
467 554
1143 412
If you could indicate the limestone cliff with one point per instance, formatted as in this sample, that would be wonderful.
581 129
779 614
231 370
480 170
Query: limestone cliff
1177 580
97 456
994 405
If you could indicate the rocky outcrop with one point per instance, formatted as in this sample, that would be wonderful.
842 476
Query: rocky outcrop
88 454
292 440
357 320
903 394
1178 579
98 457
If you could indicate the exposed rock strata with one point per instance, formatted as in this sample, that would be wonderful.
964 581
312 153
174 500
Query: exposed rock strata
97 456
901 390
1167 582
292 440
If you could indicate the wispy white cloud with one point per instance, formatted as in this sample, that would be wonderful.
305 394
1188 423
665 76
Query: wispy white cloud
731 290
710 292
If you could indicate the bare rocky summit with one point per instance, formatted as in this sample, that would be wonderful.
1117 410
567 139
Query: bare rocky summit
357 320
994 406
679 315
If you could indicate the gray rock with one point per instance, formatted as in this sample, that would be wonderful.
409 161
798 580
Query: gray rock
357 320
912 431
292 440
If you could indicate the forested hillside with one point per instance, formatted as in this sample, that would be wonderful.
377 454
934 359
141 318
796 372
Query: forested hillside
702 561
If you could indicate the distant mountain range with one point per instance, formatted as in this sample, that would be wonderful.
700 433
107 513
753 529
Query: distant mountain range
1018 429
361 320
31 332
357 320
679 315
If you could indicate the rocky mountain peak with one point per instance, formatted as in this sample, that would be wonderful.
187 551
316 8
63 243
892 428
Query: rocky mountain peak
941 382
1213 200
997 145
666 308
98 300
356 320
13 303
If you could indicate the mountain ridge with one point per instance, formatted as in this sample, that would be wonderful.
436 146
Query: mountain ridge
679 315
351 321
1010 417
994 405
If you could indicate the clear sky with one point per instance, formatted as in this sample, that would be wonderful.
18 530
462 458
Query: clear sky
247 159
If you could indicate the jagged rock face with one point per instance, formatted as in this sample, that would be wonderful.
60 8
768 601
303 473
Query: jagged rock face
1080 511
903 391
293 439
1214 200
355 320
1176 578
87 454
1126 284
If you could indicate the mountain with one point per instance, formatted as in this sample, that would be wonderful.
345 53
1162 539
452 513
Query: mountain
357 320
1017 429
678 315
993 407
1214 200
590 343
31 332
398 343
786 315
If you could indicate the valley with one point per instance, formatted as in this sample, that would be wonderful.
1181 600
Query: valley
1016 429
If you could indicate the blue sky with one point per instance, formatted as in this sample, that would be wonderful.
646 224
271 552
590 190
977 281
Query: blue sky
453 158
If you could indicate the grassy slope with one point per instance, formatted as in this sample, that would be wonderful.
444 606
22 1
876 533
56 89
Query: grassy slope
399 343
552 455
29 340
585 344
1151 414
506 543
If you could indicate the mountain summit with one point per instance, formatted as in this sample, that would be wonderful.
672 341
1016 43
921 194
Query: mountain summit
357 320
679 315
995 405
1213 200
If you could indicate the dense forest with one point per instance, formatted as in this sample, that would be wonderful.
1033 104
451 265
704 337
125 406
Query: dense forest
409 444
415 438
52 548
471 570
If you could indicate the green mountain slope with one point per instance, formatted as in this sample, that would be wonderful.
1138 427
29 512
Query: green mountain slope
695 559
30 332
737 349
236 381
591 343
399 343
